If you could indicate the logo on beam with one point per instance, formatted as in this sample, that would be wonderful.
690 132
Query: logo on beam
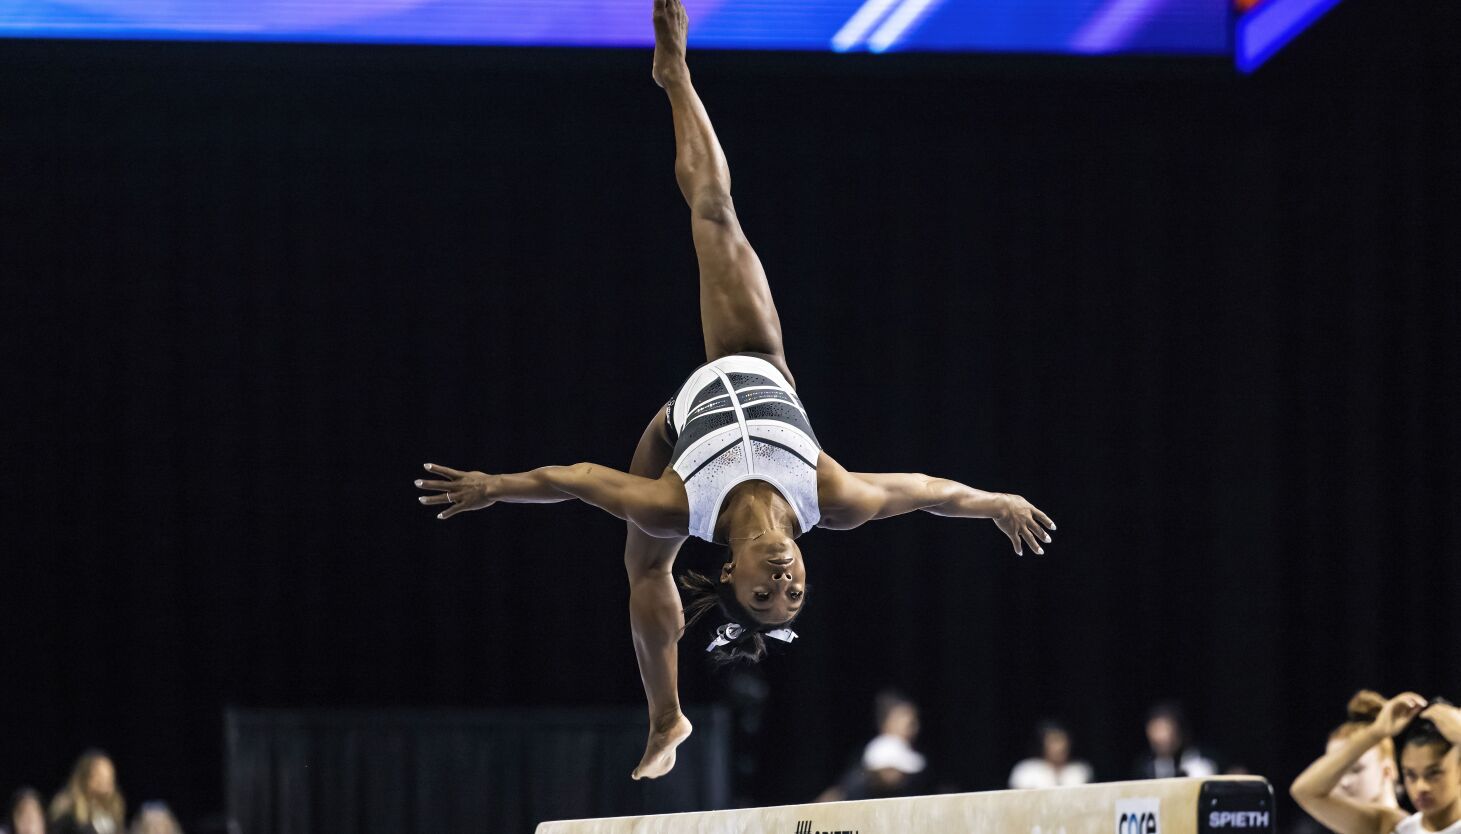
1139 816
805 827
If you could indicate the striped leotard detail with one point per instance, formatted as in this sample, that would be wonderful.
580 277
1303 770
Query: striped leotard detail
738 419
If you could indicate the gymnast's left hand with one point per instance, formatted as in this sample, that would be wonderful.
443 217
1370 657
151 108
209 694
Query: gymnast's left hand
462 490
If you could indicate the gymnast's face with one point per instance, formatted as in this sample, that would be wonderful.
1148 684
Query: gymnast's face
769 576
1432 777
1368 779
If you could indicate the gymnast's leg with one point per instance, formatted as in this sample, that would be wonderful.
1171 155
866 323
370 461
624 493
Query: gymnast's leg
737 313
656 617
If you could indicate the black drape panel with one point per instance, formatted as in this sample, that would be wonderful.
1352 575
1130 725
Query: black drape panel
1208 322
364 771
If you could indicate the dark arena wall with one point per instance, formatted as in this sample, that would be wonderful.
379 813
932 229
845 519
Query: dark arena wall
1208 322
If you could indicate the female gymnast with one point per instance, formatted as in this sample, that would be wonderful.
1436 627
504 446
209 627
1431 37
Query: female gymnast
1372 779
1429 744
730 459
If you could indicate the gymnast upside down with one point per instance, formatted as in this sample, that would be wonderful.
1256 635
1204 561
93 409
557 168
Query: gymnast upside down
731 458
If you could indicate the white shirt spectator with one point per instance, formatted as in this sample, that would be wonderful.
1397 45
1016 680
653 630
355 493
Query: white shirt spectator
1038 773
1192 763
890 751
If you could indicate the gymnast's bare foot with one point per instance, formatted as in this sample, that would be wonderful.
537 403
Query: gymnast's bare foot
671 27
659 751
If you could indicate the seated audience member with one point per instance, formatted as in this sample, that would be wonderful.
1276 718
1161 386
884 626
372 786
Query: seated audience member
1053 767
90 803
889 765
25 814
1429 742
155 818
1169 751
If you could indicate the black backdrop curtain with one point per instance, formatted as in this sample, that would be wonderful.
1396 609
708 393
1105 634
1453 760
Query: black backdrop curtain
1208 322
401 772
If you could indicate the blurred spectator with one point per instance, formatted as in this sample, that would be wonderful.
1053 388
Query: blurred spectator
1052 767
1372 779
90 803
889 766
1426 735
25 814
155 818
1169 752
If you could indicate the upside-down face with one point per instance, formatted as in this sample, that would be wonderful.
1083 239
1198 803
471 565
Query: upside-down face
769 577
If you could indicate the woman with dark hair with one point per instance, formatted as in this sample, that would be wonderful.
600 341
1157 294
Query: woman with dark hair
1428 747
90 803
731 458
1170 751
889 766
1052 765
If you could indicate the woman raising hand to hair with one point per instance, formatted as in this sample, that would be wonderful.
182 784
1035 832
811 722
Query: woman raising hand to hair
1428 736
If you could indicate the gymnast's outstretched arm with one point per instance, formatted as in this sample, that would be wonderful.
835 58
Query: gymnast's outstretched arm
851 499
657 506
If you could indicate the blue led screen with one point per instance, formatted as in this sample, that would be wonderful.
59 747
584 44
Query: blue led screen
1084 26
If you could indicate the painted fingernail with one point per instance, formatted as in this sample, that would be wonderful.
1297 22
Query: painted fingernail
1052 525
441 515
428 466
422 499
1039 551
419 482
1047 538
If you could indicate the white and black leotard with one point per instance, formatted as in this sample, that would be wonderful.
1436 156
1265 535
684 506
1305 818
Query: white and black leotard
738 419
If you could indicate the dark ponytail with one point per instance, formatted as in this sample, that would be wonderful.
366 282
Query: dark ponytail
702 594
1422 732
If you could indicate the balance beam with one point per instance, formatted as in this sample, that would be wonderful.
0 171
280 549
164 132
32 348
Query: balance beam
1159 806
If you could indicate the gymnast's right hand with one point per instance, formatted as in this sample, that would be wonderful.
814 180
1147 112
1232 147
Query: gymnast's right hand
462 490
1398 712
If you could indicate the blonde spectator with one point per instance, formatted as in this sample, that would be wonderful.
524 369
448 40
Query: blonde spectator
90 803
